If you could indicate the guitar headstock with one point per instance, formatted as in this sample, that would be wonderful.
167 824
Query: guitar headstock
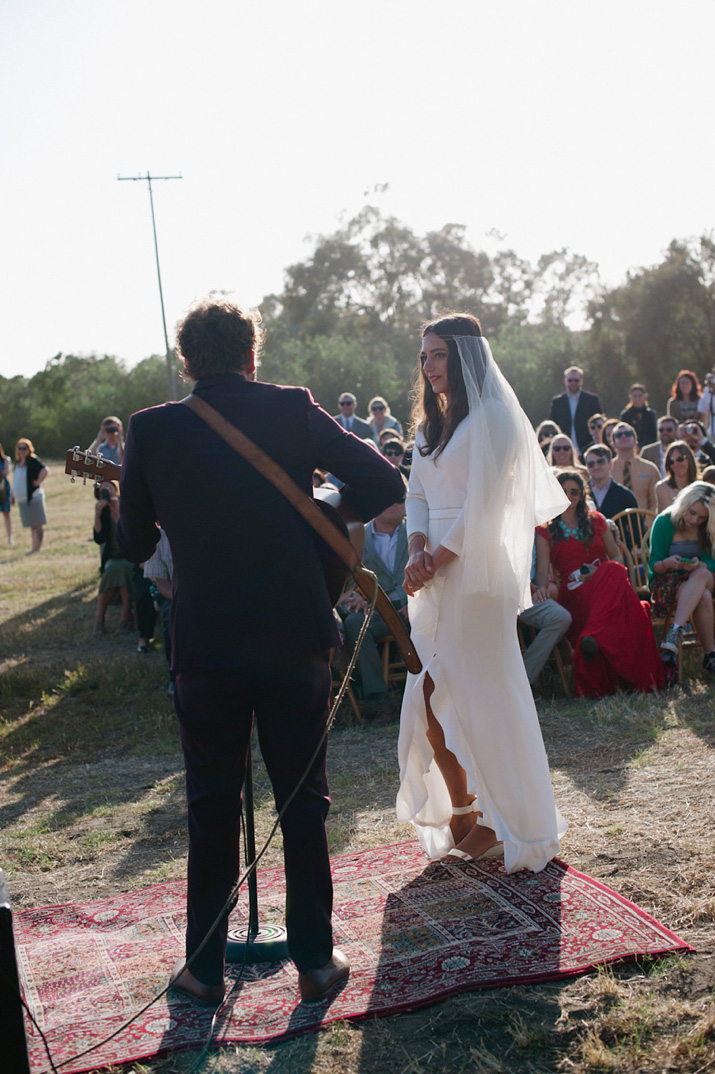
84 464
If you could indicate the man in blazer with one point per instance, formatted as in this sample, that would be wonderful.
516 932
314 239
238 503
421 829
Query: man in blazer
655 453
607 494
386 555
349 419
572 409
251 624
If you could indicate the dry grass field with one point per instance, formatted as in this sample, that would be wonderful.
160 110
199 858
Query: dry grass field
91 804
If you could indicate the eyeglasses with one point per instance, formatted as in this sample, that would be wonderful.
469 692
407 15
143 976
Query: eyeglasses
377 406
595 461
345 402
393 452
560 447
623 435
573 380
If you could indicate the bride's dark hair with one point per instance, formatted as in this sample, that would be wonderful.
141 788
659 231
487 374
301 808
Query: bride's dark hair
430 412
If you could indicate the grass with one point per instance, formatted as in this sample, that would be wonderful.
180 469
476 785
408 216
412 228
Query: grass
91 803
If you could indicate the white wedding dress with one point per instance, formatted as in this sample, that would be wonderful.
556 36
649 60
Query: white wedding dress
468 645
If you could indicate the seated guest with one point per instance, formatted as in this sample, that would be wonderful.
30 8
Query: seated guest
549 621
629 469
684 400
608 496
655 452
116 572
681 566
681 469
595 427
607 434
349 419
693 433
611 629
386 555
394 450
562 453
381 418
545 433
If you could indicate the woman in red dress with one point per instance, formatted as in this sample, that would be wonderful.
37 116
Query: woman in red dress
611 630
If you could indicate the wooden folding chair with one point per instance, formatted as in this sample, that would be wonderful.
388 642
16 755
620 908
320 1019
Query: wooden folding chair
393 669
555 658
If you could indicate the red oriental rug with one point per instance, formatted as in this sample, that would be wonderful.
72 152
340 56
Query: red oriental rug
415 933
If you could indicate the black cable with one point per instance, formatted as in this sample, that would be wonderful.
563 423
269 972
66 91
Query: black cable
250 869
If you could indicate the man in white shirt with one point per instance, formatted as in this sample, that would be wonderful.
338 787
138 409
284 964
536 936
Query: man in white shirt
349 419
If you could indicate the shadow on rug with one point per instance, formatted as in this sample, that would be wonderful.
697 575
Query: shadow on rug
414 933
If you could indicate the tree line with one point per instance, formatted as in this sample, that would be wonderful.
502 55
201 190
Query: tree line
348 318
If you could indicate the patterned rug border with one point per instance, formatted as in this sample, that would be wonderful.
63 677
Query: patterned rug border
193 1024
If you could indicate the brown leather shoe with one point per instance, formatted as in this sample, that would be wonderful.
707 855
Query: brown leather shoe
317 984
188 985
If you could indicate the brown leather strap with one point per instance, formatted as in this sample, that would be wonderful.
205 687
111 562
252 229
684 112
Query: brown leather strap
305 505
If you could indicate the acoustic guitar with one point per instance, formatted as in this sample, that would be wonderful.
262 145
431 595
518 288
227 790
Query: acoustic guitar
83 464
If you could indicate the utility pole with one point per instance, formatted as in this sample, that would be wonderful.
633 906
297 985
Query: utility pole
156 178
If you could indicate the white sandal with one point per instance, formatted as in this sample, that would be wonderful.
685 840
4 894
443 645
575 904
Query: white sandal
462 810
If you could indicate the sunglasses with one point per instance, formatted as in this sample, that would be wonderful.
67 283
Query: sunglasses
345 402
623 436
22 447
560 447
111 429
596 461
393 452
595 424
573 380
677 458
377 406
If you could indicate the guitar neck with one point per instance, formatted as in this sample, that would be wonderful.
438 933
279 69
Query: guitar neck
84 464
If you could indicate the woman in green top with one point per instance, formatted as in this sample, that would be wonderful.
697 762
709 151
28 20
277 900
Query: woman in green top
681 567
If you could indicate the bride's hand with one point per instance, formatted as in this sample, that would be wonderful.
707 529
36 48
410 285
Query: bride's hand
418 571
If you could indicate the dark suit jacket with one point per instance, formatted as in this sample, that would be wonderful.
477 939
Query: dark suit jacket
361 429
247 579
588 404
618 498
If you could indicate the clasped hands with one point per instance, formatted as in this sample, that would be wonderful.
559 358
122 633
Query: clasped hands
422 567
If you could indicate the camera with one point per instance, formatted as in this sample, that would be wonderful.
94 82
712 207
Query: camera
579 576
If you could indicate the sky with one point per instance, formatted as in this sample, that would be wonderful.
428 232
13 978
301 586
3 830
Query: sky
553 124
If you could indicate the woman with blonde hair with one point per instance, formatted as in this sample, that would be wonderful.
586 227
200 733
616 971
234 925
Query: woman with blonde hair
474 778
681 566
379 418
682 470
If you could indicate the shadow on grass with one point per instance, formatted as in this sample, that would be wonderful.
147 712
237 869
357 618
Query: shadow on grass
62 622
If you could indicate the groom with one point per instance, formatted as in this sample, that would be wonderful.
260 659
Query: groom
251 624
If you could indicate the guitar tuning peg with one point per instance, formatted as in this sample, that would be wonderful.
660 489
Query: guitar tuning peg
84 480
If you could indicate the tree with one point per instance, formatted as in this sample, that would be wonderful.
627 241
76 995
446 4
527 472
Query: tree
661 320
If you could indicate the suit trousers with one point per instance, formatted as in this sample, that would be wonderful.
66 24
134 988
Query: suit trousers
551 622
290 701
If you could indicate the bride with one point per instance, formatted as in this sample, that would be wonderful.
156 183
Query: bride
474 778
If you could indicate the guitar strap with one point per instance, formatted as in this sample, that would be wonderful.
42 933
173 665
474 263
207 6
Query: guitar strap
312 514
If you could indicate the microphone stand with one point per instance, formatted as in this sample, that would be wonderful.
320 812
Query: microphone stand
254 943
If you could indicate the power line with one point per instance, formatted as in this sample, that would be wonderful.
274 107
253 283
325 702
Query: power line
157 178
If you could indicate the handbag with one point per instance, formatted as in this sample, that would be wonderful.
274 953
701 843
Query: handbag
315 512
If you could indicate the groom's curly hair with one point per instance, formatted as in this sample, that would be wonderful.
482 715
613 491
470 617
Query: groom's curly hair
218 336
